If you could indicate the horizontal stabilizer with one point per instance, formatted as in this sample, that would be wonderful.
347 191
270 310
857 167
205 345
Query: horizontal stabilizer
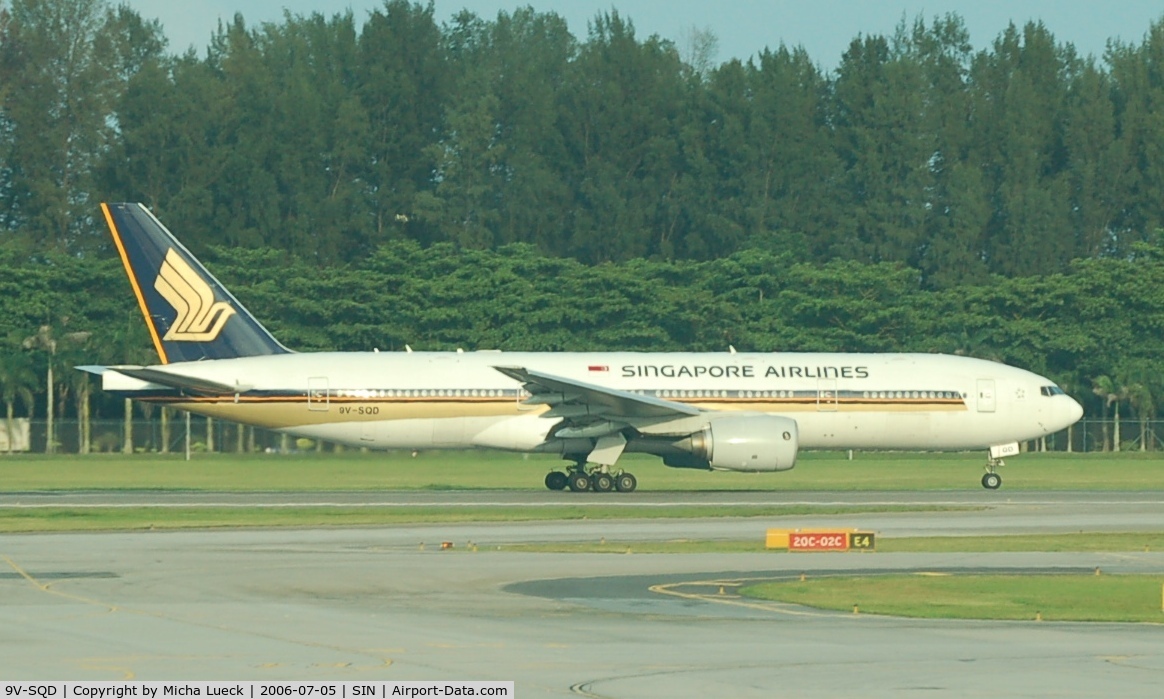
173 380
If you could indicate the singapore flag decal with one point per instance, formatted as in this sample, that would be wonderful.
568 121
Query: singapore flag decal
599 367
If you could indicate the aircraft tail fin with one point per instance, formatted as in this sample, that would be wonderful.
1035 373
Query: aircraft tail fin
189 313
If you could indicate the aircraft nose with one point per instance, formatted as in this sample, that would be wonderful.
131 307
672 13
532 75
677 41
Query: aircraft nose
1074 412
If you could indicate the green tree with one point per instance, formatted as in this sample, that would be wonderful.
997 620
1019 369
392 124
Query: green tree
885 146
402 84
529 54
1019 93
73 351
1113 392
1142 402
621 117
126 342
65 62
958 207
18 382
1137 93
1097 163
1142 389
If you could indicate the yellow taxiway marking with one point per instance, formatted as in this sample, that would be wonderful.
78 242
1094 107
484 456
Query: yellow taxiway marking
735 600
383 651
47 587
445 645
1140 662
126 673
110 608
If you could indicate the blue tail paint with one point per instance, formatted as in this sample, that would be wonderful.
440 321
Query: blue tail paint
190 315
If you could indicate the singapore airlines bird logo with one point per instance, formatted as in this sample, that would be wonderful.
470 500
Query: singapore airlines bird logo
199 319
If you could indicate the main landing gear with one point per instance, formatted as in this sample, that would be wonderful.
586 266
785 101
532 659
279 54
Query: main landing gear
991 480
598 480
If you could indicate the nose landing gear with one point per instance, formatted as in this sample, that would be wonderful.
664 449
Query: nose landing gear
991 480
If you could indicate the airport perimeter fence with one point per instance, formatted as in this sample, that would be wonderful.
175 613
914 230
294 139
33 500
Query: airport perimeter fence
155 436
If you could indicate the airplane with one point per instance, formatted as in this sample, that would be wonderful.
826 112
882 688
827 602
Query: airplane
723 411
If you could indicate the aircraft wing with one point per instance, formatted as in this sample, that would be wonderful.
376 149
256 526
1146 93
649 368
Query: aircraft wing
584 403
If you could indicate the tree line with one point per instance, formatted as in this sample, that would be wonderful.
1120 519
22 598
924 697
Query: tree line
330 136
1093 328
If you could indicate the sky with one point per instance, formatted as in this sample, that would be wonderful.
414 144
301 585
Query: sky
744 27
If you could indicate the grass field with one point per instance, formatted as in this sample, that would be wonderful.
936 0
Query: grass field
477 470
1135 598
484 470
58 519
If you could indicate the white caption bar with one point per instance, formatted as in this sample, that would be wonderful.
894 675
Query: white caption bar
253 690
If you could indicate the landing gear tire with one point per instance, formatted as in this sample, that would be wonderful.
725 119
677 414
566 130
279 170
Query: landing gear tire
601 483
579 482
991 481
625 483
556 480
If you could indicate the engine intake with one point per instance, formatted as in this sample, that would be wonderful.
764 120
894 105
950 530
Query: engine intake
742 443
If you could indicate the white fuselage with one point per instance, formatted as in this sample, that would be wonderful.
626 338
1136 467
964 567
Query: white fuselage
458 400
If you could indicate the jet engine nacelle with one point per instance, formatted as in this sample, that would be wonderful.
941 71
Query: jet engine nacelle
746 443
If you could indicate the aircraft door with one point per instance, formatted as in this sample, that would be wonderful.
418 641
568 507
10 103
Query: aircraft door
826 395
986 400
318 395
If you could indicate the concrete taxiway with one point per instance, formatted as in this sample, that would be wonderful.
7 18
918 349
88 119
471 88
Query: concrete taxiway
351 604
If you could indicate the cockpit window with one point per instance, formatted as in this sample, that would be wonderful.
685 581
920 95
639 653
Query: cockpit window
1052 391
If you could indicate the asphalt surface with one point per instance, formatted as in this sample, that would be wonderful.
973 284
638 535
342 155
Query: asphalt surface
371 603
972 496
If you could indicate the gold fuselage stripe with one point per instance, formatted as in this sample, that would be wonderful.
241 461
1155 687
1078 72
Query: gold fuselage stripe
145 311
296 410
